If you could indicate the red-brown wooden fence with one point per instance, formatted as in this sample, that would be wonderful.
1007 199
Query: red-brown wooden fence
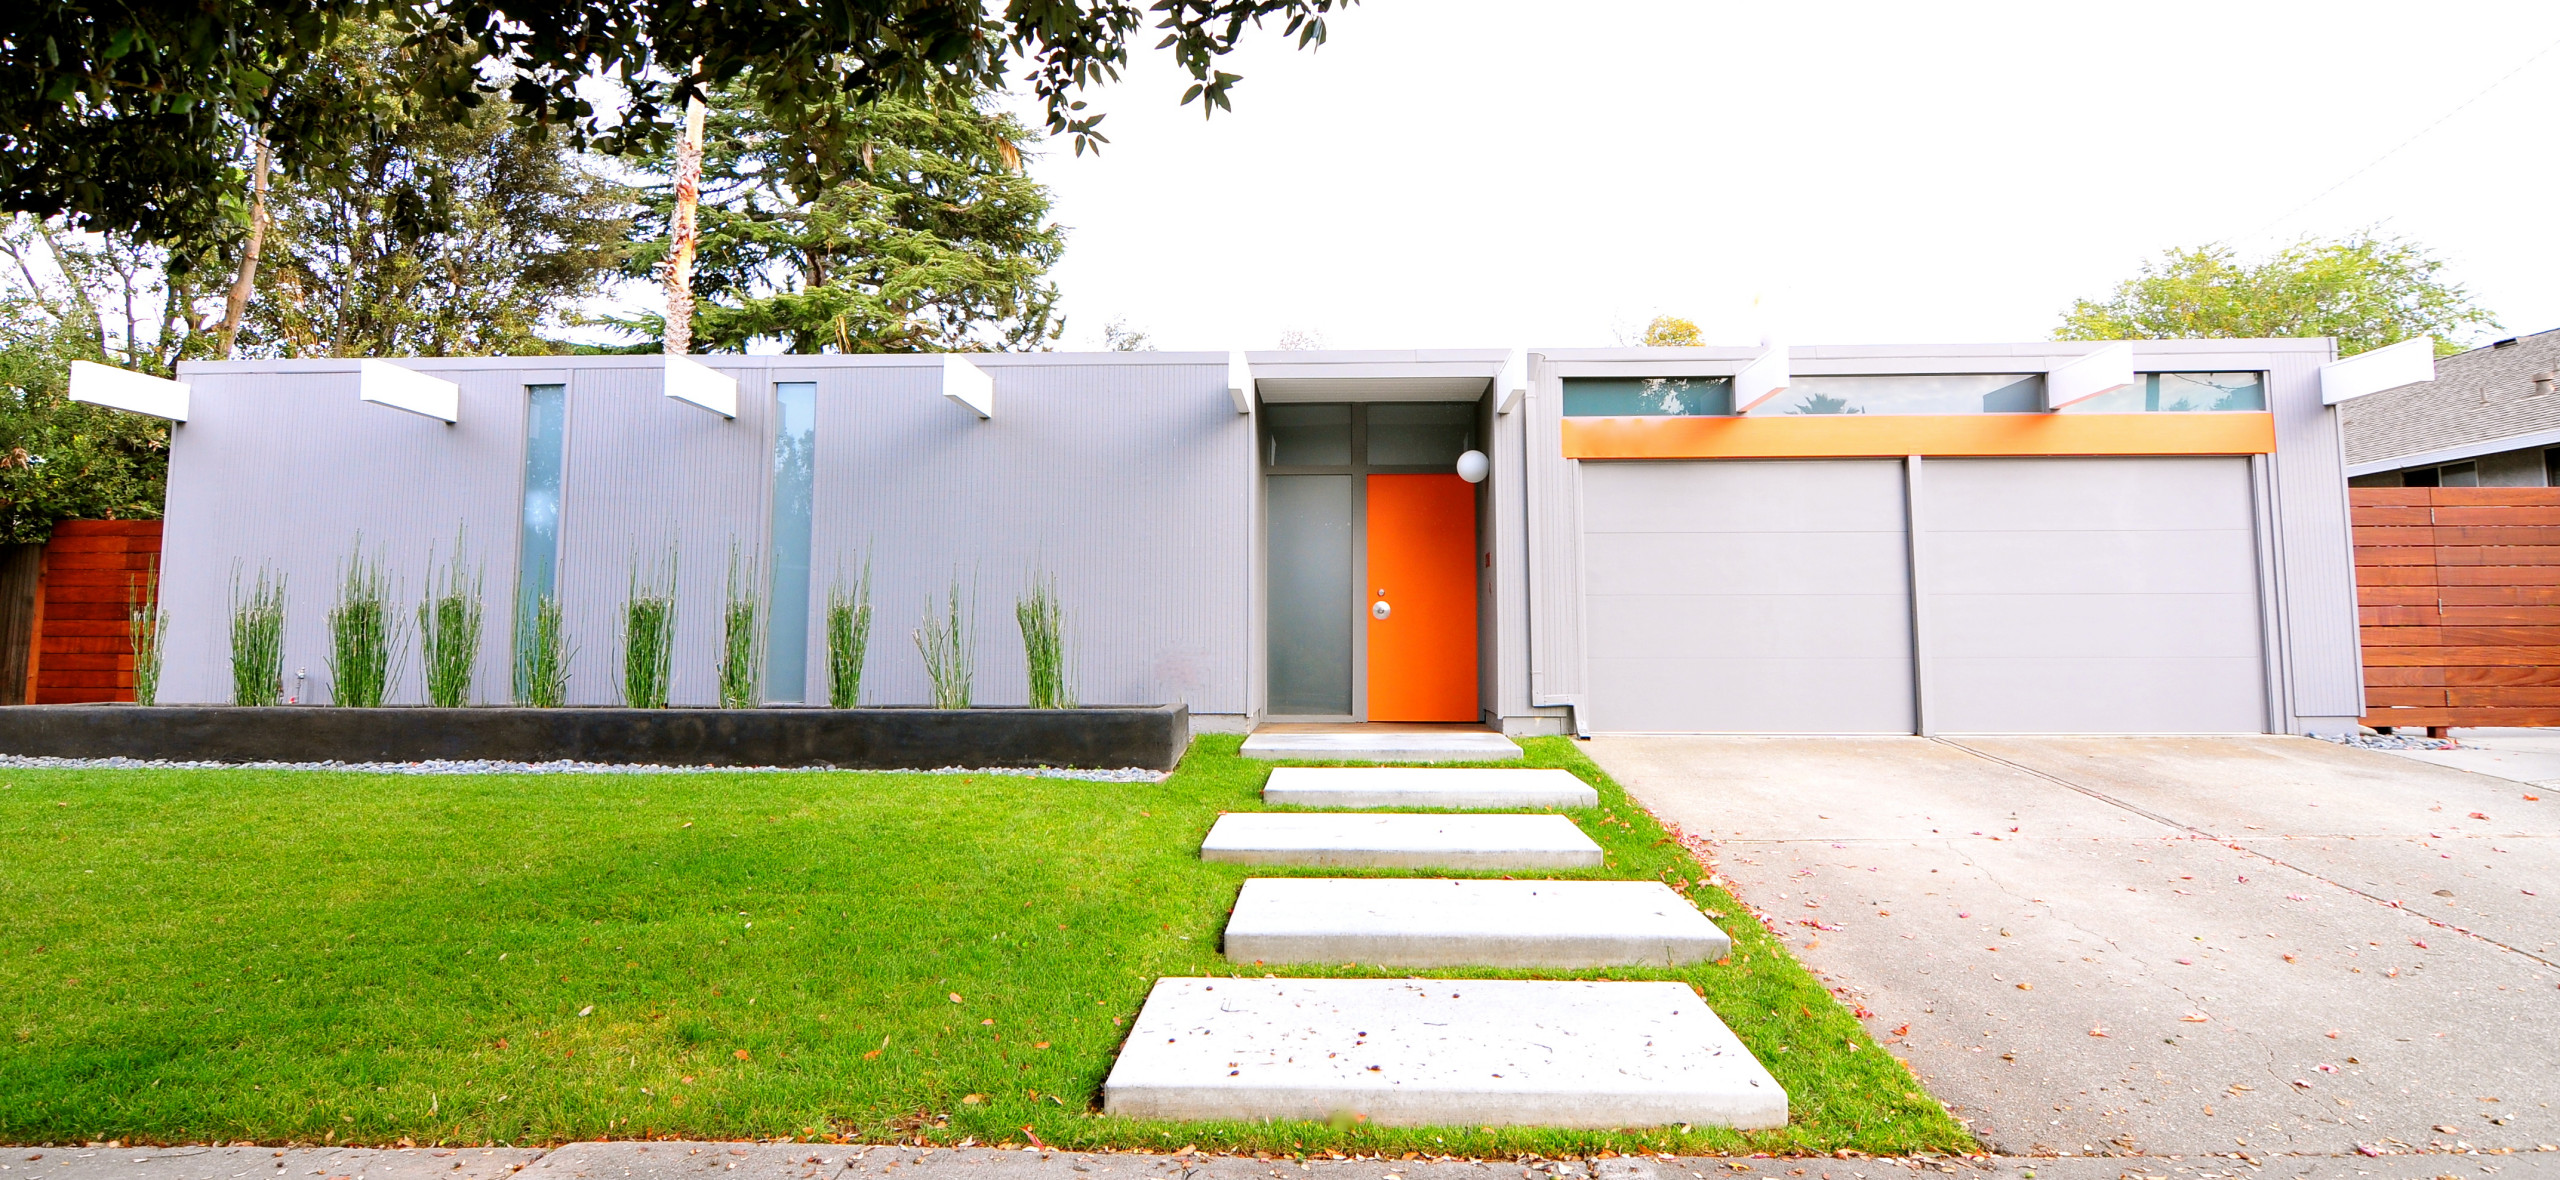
2458 598
83 647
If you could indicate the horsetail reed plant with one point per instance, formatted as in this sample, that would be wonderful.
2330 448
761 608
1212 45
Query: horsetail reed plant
449 628
542 658
146 625
1044 648
741 638
257 639
363 632
949 649
649 635
848 637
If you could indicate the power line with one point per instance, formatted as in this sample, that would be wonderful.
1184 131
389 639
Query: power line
2414 137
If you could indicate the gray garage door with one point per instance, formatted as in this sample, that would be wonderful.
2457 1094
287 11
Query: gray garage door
1769 597
2091 596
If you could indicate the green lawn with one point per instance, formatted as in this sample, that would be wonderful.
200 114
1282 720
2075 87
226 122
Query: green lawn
304 957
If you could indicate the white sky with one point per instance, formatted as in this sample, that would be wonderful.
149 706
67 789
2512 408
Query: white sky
1499 173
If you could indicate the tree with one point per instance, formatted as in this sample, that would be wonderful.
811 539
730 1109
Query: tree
1671 331
938 242
59 459
127 116
2364 289
426 236
1120 336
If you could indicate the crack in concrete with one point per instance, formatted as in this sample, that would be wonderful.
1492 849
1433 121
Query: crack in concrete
2245 850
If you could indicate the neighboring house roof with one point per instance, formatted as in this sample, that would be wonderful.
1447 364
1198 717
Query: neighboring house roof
2481 402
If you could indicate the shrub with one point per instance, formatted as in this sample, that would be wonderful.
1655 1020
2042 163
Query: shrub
649 635
257 639
1044 647
848 637
363 632
949 648
146 625
449 629
741 638
542 657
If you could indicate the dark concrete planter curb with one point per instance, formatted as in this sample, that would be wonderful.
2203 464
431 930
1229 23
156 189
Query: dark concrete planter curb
1104 738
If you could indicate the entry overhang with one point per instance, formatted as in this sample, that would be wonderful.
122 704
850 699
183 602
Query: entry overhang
1429 375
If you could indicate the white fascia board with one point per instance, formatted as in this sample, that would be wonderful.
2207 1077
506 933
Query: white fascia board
1764 378
2537 440
2389 367
1240 382
1513 383
969 386
384 383
697 384
124 389
2101 372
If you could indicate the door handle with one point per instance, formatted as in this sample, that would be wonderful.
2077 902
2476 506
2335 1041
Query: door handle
1380 610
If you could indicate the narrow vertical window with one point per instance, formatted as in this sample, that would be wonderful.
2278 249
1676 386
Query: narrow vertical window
538 544
795 463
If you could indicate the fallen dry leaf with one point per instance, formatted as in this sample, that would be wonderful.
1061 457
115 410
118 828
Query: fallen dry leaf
955 997
973 1099
1041 1045
2026 987
2196 1018
740 1055
868 1056
2097 1032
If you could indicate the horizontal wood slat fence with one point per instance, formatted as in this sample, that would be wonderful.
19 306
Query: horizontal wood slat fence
83 638
2458 601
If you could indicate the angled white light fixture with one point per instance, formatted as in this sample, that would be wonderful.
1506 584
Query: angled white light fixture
123 389
2388 367
1764 378
694 383
2101 372
384 383
969 386
1240 382
1513 383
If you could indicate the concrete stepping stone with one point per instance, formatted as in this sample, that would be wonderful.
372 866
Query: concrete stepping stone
1471 1052
1414 786
1409 923
1399 841
1419 746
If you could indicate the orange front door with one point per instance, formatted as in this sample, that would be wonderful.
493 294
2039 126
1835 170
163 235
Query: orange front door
1421 598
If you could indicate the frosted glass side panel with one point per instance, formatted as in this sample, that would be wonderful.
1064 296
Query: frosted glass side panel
538 538
795 452
1310 563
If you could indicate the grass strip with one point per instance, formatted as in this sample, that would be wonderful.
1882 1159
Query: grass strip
338 958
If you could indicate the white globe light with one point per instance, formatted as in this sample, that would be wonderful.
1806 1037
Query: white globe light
1472 466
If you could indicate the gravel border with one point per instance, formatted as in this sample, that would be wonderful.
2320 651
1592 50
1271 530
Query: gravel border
2394 741
564 766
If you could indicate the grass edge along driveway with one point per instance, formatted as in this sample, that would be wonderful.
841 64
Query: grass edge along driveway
309 957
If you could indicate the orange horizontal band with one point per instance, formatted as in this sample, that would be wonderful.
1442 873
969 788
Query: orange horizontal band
1849 435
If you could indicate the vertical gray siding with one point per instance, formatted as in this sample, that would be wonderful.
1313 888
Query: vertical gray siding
645 472
1130 483
2316 543
1555 543
286 468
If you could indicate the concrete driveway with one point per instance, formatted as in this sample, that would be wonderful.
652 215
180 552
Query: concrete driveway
2163 945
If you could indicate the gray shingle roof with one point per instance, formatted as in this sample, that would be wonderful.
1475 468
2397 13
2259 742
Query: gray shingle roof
2477 398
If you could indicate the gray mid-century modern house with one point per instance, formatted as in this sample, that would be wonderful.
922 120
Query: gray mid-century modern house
2038 537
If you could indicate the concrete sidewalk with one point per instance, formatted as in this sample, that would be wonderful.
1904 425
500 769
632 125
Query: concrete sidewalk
802 1161
2163 945
2522 755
